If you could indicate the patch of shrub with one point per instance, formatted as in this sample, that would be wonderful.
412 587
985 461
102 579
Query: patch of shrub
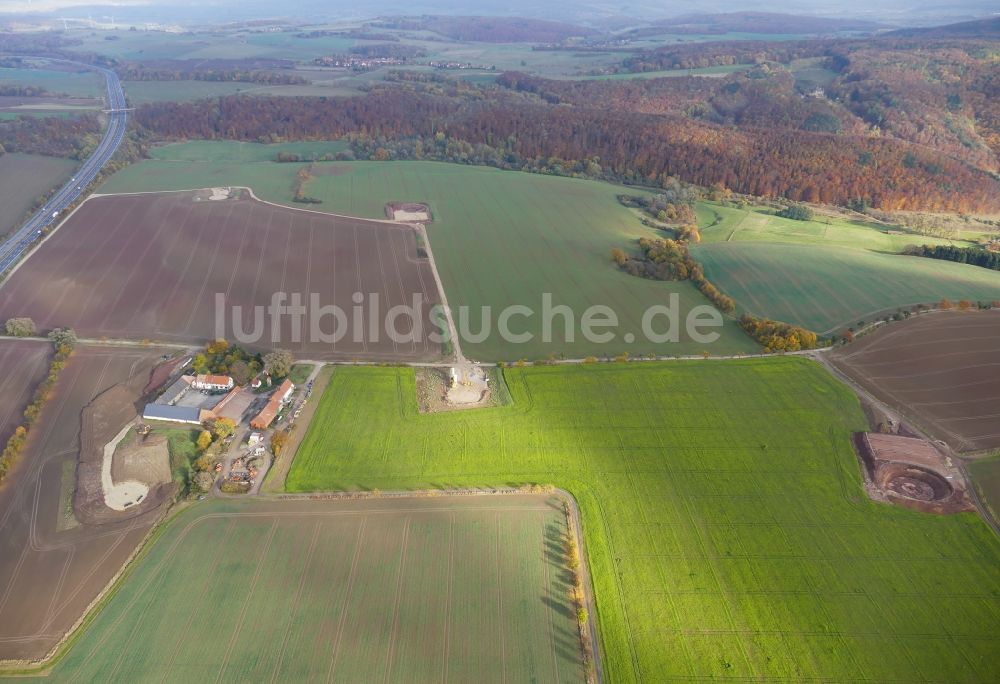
797 212
776 336
20 327
64 340
229 487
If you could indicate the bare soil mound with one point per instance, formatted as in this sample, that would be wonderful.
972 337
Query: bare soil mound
159 375
434 388
146 459
409 211
101 421
912 482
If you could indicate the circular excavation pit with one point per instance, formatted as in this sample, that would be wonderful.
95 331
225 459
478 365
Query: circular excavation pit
911 472
911 482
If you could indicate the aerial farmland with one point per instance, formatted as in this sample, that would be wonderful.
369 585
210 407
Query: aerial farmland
727 529
509 342
152 266
941 368
52 565
399 590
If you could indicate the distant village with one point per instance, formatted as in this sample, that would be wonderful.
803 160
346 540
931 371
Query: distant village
369 63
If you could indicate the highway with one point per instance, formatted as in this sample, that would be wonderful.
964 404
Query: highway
19 242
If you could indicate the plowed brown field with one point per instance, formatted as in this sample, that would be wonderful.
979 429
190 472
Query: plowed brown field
51 567
942 370
23 365
153 265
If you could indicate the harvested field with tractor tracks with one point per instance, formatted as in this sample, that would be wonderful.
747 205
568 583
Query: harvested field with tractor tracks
942 370
154 265
52 565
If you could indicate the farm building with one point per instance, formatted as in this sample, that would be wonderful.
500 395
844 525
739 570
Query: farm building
267 415
234 404
284 391
176 414
177 389
213 383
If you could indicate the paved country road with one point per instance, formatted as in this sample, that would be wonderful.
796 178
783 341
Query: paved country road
19 242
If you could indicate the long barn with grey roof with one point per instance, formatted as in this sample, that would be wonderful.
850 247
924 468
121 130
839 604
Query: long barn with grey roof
174 414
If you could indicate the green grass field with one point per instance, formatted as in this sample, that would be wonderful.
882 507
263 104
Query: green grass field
559 237
727 530
74 84
152 45
985 475
61 113
25 177
829 288
828 273
394 590
225 152
142 92
499 238
760 224
236 44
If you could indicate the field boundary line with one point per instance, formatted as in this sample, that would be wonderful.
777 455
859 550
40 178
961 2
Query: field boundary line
400 573
335 647
252 196
452 330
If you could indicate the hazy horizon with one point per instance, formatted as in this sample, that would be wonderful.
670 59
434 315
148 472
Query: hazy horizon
588 12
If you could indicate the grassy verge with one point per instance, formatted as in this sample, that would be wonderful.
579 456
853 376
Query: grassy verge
300 373
986 478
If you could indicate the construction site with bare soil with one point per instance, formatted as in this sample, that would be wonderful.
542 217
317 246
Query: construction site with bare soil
61 545
911 472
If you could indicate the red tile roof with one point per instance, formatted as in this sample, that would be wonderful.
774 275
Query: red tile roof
267 415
